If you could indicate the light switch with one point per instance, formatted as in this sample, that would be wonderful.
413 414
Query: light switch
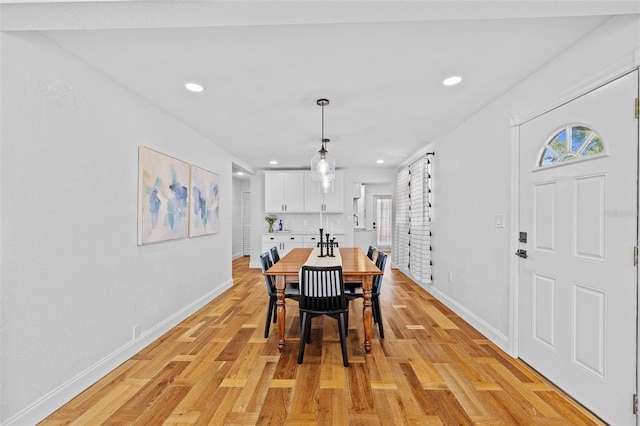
499 221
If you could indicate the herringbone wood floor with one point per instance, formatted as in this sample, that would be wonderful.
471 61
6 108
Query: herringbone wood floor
216 368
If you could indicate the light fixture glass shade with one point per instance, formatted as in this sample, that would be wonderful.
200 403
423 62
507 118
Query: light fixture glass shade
326 186
323 167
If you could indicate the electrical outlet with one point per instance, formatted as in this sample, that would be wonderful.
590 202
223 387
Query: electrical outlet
499 221
450 276
136 331
304 222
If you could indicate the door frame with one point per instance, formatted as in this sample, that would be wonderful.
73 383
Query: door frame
515 123
375 217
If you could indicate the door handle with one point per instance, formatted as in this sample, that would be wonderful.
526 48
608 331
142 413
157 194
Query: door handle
522 253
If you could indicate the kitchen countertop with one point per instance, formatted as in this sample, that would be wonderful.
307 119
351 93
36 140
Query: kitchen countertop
312 233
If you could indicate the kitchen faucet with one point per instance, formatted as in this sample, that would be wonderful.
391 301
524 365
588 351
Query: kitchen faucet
356 217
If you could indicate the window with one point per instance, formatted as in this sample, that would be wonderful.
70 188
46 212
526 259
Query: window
572 142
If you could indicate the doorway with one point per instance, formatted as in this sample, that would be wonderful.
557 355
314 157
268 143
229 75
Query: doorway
383 224
577 294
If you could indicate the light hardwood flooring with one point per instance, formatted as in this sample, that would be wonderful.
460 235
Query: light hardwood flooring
217 368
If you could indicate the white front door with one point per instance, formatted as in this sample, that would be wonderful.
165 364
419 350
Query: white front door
577 291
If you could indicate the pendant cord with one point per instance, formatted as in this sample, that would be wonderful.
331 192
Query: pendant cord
323 126
322 102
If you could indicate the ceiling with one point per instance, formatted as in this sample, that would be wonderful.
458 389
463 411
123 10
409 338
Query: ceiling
263 64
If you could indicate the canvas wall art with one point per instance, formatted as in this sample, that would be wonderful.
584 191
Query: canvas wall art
205 217
163 197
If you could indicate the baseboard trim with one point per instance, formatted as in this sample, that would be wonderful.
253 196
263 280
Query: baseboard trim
498 338
59 396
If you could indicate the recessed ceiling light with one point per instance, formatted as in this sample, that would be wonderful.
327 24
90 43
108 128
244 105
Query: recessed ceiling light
194 87
380 161
452 81
240 173
273 162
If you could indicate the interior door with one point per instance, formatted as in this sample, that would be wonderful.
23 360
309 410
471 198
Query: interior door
577 292
383 226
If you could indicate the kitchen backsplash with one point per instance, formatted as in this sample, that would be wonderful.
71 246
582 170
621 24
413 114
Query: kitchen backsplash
335 223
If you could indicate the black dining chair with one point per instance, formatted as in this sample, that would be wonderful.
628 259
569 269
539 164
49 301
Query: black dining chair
371 252
352 286
275 256
376 287
290 292
322 293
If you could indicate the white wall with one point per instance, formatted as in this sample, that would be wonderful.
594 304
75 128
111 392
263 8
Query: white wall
74 283
371 190
473 181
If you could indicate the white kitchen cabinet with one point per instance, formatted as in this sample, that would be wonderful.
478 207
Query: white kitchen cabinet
310 241
284 192
333 201
284 242
357 190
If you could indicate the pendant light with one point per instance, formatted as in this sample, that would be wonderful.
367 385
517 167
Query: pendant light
323 165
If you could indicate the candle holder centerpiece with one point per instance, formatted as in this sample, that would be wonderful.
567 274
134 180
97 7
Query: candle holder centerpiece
326 244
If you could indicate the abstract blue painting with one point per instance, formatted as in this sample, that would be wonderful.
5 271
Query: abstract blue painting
205 215
163 197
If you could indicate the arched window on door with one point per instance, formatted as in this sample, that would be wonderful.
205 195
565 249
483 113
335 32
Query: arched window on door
572 142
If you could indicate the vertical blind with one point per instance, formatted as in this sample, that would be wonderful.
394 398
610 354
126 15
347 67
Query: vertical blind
246 223
412 239
401 234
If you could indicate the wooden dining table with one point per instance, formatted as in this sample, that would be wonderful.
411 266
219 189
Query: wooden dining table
356 266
